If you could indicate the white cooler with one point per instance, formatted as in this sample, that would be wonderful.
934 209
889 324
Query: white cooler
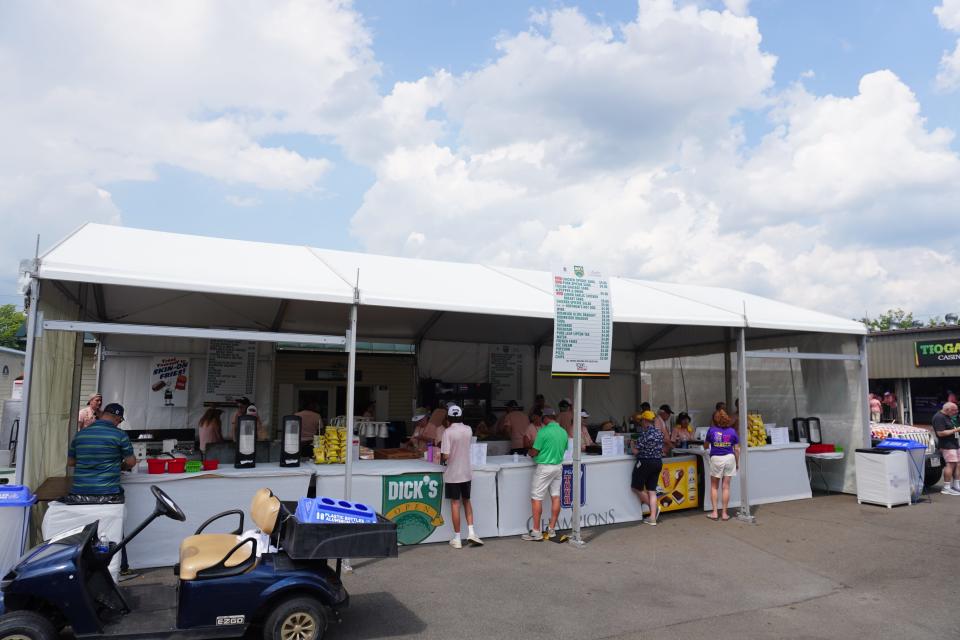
885 477
15 501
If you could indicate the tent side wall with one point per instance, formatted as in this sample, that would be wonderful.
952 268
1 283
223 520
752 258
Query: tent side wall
49 425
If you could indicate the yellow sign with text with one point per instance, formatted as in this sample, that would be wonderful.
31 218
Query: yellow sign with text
677 488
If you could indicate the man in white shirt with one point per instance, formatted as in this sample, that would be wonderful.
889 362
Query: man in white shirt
455 452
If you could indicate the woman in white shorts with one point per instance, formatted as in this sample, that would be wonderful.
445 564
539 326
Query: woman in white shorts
724 445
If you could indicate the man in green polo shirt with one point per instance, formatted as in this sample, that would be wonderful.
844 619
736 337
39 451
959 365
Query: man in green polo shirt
547 452
98 453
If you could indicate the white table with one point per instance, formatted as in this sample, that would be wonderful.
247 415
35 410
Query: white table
816 460
368 480
777 473
200 495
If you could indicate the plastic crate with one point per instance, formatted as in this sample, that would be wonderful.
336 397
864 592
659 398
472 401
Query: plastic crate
323 540
323 509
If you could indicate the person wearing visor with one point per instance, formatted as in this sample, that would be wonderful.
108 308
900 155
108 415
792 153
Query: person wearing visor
417 441
98 454
585 439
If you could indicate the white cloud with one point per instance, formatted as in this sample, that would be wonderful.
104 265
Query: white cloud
242 202
620 147
737 7
102 92
948 76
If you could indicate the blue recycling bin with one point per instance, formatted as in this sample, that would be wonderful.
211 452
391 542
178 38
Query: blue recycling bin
15 502
916 451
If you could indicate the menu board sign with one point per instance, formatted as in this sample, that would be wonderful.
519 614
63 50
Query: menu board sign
504 374
582 324
231 370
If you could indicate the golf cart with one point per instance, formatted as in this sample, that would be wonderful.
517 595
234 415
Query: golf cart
280 582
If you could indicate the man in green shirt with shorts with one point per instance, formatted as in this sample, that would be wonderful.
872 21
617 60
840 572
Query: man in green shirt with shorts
547 452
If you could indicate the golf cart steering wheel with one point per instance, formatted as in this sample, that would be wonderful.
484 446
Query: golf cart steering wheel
166 506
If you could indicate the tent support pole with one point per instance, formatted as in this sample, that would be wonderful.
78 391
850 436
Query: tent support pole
727 369
24 430
575 538
351 391
864 394
744 514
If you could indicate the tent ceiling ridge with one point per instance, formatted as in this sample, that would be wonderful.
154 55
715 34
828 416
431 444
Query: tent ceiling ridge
523 282
740 320
315 254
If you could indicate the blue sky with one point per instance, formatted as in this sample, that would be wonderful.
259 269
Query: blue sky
828 46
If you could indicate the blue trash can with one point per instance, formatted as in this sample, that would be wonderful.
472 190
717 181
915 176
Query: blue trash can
916 452
15 502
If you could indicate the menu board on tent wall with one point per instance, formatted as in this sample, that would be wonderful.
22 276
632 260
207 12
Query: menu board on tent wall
231 370
582 324
504 374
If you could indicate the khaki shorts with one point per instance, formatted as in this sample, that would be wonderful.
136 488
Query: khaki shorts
546 478
723 466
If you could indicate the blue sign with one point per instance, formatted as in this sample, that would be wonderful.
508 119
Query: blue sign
566 486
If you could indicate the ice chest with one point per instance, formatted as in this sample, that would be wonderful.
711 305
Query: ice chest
329 540
14 501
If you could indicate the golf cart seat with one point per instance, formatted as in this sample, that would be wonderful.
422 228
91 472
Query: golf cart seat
222 554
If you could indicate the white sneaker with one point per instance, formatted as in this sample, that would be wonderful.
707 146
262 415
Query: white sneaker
533 536
947 491
650 521
475 540
456 544
549 534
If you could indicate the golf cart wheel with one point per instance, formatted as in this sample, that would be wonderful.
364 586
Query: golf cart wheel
26 625
296 619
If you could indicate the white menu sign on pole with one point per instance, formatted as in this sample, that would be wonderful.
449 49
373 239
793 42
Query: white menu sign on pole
231 370
582 324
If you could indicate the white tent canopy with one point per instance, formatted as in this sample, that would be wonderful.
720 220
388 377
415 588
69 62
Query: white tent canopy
154 277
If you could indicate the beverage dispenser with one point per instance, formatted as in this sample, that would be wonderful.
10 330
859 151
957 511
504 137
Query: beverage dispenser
290 456
813 430
246 457
800 430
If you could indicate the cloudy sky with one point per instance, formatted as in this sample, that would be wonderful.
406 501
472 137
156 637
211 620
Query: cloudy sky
805 151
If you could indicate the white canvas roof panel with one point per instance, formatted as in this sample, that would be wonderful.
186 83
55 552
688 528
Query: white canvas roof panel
177 262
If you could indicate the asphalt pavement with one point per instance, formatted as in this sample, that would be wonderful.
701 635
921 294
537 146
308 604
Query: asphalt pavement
820 568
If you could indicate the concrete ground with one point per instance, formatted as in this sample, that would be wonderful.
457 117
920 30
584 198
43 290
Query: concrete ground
820 568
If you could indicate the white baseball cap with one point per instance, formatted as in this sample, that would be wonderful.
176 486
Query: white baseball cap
584 414
454 411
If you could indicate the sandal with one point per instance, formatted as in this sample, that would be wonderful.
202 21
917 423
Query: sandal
725 518
712 517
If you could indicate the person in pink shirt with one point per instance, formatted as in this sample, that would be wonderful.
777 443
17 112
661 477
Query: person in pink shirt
876 408
458 475
536 423
565 417
516 423
90 413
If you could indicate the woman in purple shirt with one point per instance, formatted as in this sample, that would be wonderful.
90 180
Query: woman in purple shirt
724 445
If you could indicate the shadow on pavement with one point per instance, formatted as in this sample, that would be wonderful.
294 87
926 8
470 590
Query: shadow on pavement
377 615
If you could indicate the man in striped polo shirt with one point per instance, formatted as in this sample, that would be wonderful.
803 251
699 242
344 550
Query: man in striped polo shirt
98 453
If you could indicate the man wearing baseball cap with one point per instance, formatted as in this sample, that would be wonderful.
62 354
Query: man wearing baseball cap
98 453
458 475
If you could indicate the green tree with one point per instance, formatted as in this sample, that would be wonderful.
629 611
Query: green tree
891 319
10 322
